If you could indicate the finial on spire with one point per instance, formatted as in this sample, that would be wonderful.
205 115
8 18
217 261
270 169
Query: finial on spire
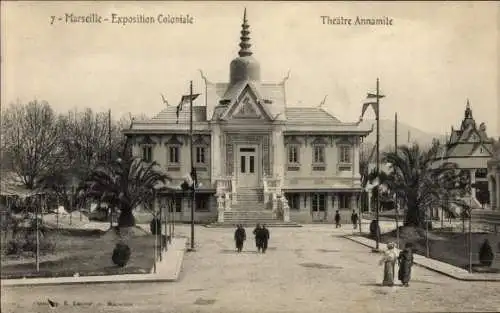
468 111
245 40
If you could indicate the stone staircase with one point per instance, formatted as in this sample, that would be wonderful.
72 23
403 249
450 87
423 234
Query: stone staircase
250 210
249 199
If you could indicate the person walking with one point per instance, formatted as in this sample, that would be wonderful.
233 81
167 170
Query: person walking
239 237
354 219
389 262
258 237
405 262
265 238
337 219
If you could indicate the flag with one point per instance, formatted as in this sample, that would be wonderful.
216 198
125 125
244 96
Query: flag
184 100
372 95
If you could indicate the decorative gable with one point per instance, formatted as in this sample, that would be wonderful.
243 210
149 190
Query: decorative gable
247 105
319 140
146 140
247 108
201 140
481 151
174 140
292 140
474 137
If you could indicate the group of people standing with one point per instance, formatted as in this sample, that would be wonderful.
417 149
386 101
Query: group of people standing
354 219
261 234
405 263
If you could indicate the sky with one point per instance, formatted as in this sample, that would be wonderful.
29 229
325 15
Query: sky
431 59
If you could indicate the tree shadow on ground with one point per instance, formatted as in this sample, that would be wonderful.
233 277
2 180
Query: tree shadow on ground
319 266
327 250
201 301
371 284
233 251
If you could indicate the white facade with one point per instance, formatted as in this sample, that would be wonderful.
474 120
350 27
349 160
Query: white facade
251 151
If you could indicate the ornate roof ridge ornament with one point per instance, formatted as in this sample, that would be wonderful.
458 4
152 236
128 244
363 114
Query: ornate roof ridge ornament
245 39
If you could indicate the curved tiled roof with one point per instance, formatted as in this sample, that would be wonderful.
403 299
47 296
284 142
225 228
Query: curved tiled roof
168 115
309 115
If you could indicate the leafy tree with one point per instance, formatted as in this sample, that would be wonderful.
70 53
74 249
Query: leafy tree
418 184
30 136
125 184
90 139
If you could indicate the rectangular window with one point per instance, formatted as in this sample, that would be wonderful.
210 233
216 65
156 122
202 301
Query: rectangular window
319 154
293 154
293 201
319 202
200 155
344 201
147 153
243 165
345 154
173 154
252 164
201 203
247 149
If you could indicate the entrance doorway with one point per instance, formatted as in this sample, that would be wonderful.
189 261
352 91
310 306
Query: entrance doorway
248 167
318 207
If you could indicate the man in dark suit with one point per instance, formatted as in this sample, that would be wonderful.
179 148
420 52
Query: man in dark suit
258 237
240 237
265 238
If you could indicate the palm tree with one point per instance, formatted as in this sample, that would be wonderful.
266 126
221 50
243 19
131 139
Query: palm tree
125 184
418 185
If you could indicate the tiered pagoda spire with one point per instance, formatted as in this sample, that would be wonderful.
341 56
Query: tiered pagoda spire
245 39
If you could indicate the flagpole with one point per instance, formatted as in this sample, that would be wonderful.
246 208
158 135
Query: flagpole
396 195
192 160
377 208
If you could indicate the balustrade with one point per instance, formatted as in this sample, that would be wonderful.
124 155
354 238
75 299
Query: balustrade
273 194
225 188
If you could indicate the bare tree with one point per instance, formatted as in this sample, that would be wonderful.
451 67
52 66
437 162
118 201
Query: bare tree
30 137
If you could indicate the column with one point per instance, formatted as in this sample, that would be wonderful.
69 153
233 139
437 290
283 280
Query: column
330 212
492 191
220 209
336 203
497 186
369 200
354 202
216 152
286 209
278 149
472 181
355 159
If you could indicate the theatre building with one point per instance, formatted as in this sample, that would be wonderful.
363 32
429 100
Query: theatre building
257 159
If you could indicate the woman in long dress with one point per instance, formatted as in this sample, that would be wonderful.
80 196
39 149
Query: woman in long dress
405 262
389 262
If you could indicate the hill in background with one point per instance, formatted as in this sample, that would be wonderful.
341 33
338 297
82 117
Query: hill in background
406 134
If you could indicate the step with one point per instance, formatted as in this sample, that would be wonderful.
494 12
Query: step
251 225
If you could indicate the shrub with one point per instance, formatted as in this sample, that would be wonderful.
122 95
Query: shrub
155 226
121 254
486 253
15 246
47 245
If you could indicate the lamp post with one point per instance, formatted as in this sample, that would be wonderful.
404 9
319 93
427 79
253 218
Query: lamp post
474 185
395 193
